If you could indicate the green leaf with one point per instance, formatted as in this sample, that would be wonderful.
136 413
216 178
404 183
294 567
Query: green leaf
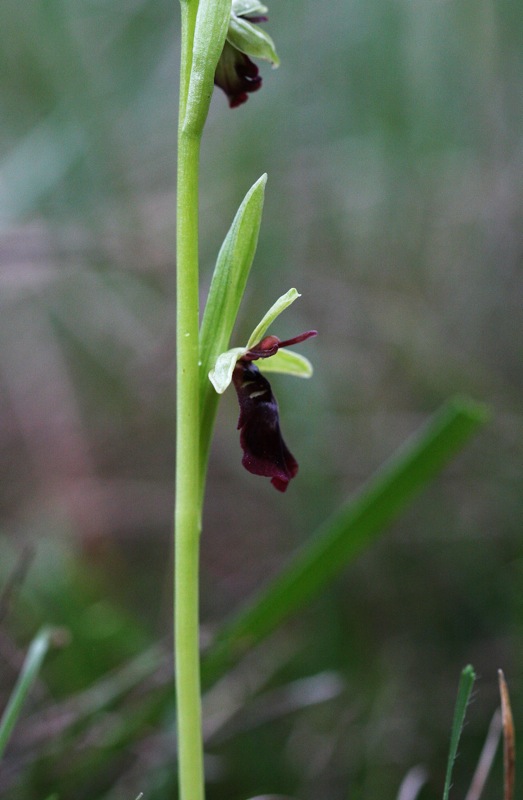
28 674
274 311
348 532
288 363
252 40
468 676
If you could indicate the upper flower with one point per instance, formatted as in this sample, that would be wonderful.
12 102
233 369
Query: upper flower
236 74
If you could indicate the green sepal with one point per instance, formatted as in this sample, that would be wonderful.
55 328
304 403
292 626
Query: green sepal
274 311
244 8
286 362
251 40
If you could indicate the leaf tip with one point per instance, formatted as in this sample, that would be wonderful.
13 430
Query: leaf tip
477 412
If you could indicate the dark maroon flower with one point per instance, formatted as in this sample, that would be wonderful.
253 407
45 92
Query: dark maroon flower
236 74
264 451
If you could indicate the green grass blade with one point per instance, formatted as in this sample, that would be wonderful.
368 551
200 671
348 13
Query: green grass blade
28 674
468 676
339 540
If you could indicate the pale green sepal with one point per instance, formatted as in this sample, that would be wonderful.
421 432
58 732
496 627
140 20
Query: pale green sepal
251 40
274 311
212 22
287 362
244 8
230 276
221 374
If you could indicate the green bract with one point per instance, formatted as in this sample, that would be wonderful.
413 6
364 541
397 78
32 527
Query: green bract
283 361
212 20
247 37
230 276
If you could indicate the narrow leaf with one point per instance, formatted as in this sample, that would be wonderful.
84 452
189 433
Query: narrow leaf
274 311
225 294
28 674
230 277
353 528
466 683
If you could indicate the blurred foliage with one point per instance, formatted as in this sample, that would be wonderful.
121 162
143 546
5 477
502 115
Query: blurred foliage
392 136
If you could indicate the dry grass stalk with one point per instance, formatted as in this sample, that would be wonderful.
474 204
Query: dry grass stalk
509 739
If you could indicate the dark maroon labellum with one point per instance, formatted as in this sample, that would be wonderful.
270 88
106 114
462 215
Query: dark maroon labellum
264 451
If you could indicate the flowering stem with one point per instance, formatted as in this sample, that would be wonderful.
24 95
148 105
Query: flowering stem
188 498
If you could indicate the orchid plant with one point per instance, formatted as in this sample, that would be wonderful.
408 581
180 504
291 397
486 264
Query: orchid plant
219 39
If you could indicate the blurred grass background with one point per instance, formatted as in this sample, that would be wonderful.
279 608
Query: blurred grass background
392 136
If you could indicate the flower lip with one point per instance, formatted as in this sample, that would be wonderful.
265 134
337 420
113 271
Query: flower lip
264 450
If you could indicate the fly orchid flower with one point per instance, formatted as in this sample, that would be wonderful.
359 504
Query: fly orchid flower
264 451
235 73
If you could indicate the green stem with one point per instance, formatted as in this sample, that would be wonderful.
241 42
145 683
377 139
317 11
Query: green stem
188 499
